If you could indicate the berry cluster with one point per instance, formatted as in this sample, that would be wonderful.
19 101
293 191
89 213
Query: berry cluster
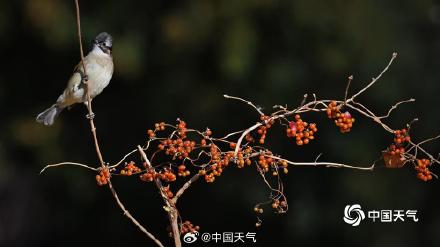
249 138
181 128
182 172
130 169
218 163
422 168
151 133
262 130
178 147
283 164
258 210
333 109
301 131
168 192
148 176
157 127
208 132
266 161
401 137
343 120
166 175
187 226
393 157
280 206
242 156
396 149
103 177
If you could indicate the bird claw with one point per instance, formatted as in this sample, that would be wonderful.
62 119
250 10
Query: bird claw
90 116
84 77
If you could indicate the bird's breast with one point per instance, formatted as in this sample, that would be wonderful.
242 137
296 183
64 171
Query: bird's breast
100 71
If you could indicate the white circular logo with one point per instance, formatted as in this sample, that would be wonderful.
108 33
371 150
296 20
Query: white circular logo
190 237
355 210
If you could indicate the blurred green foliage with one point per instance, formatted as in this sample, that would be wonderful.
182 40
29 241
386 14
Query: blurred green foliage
176 59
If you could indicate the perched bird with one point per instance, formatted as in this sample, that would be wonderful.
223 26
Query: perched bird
99 68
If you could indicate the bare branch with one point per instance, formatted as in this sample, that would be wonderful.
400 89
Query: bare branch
240 140
247 102
429 140
170 207
350 78
122 160
185 187
89 100
374 80
129 216
67 164
395 107
303 101
373 117
326 164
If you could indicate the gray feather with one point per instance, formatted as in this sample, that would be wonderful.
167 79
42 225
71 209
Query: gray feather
49 115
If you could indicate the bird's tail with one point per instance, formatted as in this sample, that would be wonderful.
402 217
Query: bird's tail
49 115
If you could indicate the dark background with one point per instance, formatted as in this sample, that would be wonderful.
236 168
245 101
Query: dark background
176 59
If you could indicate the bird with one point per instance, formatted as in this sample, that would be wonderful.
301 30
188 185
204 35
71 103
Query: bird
99 68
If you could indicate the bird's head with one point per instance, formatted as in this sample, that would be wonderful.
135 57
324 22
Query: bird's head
104 41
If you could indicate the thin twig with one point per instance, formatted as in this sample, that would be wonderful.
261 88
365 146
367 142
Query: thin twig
68 163
395 107
350 78
326 164
85 81
184 188
129 216
374 80
230 134
428 140
95 138
373 117
170 207
418 147
245 101
122 160
240 140
303 101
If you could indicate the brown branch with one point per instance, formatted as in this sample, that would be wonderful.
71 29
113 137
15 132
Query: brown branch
350 78
418 147
170 207
395 107
245 101
68 163
122 160
85 81
95 137
184 188
129 216
115 195
373 117
326 164
374 80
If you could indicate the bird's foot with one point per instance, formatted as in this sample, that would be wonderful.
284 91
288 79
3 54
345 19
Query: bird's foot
90 116
84 77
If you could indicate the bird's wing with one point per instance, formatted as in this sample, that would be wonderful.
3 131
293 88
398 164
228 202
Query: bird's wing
79 69
75 88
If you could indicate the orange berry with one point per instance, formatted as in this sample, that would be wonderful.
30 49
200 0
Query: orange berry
208 132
